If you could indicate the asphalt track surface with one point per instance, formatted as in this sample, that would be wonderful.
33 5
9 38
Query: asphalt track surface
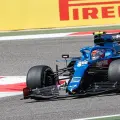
16 57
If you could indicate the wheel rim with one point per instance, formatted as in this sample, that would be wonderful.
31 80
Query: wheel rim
48 78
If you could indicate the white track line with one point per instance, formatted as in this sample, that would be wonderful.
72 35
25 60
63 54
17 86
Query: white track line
94 118
8 94
12 80
37 36
6 81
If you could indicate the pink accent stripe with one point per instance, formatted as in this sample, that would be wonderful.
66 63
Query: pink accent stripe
62 82
12 87
1 77
90 32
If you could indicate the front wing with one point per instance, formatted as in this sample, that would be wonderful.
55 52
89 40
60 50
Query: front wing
53 92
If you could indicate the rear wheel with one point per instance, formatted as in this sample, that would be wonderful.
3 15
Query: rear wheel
114 71
40 76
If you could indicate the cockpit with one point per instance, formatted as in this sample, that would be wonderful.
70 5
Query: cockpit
96 52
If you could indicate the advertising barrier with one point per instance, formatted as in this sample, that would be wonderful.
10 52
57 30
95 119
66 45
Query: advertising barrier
31 14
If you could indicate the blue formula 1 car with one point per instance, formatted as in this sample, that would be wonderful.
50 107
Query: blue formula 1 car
95 72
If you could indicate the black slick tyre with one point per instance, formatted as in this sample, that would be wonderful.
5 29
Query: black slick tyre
40 76
114 71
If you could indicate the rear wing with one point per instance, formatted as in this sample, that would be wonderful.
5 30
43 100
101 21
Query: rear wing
98 35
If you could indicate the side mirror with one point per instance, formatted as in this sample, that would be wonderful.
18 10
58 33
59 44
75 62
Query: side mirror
65 56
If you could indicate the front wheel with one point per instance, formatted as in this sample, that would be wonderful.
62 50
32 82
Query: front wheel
40 76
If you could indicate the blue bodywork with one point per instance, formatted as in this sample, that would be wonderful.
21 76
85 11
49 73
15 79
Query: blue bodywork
81 65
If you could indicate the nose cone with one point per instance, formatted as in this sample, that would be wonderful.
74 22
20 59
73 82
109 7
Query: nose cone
74 84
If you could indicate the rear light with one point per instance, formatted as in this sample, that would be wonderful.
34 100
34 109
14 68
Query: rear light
26 93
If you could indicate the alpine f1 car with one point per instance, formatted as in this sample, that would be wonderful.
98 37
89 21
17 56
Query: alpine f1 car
95 72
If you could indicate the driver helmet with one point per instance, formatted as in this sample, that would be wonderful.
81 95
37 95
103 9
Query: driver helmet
97 54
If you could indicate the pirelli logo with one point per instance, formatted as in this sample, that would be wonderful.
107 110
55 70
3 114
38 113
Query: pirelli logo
88 9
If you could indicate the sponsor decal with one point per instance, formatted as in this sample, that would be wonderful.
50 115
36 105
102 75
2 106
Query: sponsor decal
84 9
76 79
102 63
82 63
